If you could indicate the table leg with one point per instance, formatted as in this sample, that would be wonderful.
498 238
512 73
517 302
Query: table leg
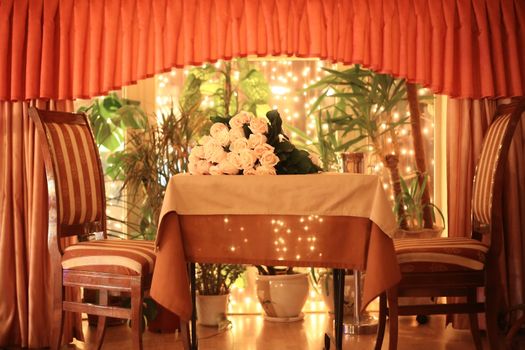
194 343
339 278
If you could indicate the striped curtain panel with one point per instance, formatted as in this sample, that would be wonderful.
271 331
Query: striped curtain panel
64 49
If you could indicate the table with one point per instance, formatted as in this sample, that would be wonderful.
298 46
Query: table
333 220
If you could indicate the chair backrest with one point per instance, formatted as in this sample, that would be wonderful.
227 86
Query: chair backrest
489 175
75 180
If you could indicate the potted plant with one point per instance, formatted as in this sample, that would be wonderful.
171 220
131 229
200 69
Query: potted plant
213 282
412 195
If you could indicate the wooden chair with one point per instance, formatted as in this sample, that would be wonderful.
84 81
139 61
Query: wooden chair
76 201
457 266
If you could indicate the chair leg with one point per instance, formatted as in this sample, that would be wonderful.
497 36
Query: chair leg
136 313
473 318
513 331
57 318
392 317
382 322
101 325
493 305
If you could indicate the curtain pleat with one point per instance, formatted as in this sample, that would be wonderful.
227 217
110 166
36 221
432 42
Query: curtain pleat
24 260
64 49
467 123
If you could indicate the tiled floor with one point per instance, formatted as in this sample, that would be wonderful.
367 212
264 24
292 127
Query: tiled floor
252 332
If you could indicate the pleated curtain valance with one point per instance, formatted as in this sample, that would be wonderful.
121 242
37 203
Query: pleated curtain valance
63 49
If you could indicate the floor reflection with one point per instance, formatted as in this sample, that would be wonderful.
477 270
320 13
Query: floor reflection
252 332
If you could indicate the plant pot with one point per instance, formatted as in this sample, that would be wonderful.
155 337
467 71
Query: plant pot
327 292
211 309
282 297
434 232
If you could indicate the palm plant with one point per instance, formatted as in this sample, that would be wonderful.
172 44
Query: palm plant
363 104
152 156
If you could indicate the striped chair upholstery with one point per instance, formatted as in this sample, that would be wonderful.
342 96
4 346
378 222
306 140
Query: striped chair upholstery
486 169
76 170
460 253
440 254
126 257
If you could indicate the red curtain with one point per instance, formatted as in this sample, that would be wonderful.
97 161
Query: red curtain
64 49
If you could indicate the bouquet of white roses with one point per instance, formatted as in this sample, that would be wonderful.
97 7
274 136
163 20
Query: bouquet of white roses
245 144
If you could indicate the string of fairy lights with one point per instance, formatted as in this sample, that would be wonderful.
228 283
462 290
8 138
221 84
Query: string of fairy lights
289 80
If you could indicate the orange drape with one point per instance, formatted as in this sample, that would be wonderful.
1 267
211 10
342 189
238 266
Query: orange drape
24 260
467 122
65 49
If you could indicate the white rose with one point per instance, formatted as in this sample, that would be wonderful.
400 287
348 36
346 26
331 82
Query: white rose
269 159
315 159
204 140
217 128
222 137
262 149
228 168
248 158
215 170
258 126
212 147
234 159
265 170
217 155
192 167
200 167
236 133
240 119
250 171
238 145
255 140
197 152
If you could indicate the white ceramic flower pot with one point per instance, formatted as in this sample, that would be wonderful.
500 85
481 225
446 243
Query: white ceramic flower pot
211 309
327 290
283 296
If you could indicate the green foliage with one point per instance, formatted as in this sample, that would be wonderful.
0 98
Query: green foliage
362 103
411 197
233 87
326 143
110 117
216 279
151 157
